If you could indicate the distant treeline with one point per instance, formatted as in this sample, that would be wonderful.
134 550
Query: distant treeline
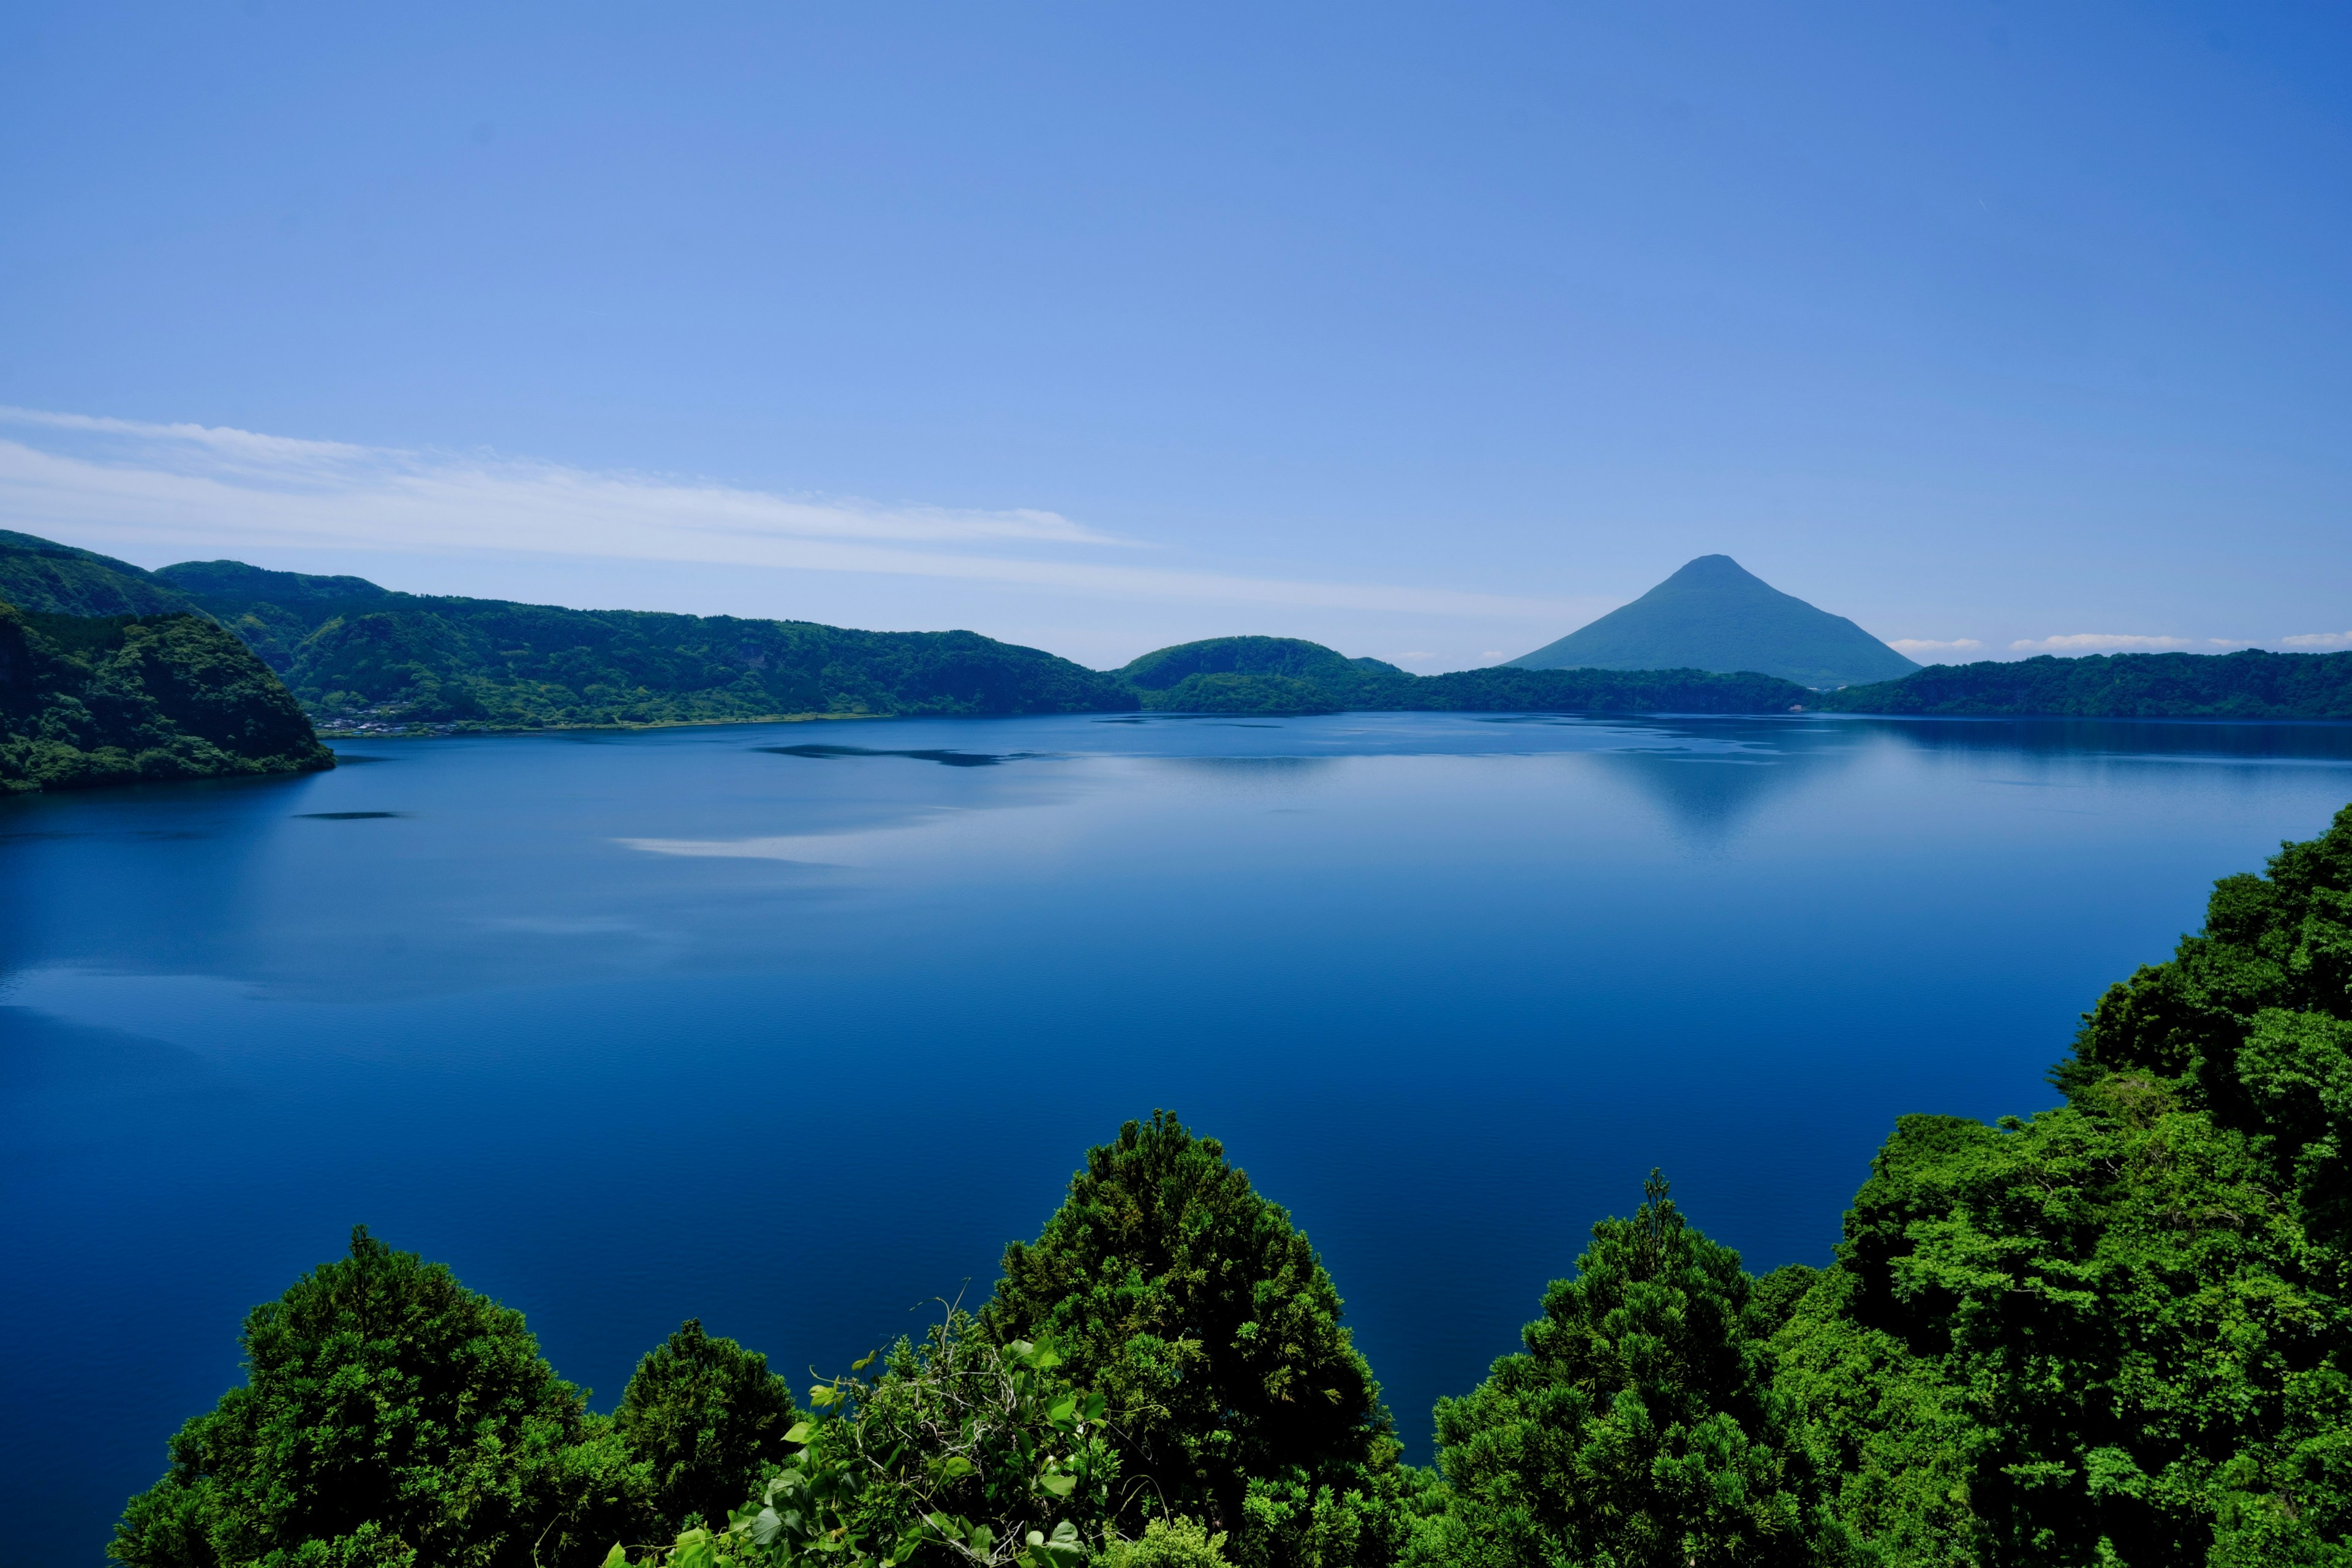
2116 1332
88 700
2248 684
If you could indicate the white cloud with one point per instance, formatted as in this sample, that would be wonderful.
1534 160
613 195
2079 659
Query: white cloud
202 491
2319 639
2098 642
1915 647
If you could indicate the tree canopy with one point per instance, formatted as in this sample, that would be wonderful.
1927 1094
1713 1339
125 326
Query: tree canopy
1204 1316
388 1416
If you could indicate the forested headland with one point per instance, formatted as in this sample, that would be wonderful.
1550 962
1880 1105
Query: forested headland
2116 1331
101 700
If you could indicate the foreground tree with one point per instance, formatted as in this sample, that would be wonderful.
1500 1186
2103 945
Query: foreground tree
1205 1319
706 1415
390 1416
1635 1431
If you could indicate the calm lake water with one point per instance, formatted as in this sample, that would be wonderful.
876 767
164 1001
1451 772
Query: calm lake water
792 1027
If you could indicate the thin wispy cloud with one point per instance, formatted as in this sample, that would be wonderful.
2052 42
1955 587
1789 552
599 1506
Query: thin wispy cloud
2099 642
2319 639
1914 647
203 490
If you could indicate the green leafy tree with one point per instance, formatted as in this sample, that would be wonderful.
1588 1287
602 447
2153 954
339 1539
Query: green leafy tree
2118 1332
1636 1430
961 1454
705 1414
1204 1316
390 1416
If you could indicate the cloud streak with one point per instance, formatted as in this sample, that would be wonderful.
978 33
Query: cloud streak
2098 642
1914 647
202 490
2319 639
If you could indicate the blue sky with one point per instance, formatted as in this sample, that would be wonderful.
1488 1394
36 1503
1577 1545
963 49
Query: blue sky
1429 332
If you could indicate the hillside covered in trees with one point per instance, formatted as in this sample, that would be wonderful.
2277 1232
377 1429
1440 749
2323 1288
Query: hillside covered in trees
100 699
2118 1332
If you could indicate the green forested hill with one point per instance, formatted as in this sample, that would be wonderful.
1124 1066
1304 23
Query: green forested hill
43 577
355 653
2249 684
90 701
1284 674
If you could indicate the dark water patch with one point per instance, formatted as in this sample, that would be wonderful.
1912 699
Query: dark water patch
941 755
346 815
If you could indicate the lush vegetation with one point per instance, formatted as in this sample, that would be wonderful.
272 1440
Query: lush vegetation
356 654
1713 615
2248 684
2114 1332
88 700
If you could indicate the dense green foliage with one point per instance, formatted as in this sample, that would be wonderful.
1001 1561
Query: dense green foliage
1713 615
354 653
2114 1334
2248 684
1201 1312
42 577
960 1451
88 700
1283 674
1637 1429
707 1415
389 1418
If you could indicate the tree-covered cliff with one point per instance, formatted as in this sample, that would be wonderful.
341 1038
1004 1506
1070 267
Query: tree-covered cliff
88 700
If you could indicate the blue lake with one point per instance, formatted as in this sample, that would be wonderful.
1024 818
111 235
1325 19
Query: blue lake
792 1027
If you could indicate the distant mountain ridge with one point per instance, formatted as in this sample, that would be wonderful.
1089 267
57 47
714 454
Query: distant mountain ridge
357 653
1714 615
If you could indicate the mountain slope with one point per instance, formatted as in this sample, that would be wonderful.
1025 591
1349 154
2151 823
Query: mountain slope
88 700
47 578
356 653
1714 615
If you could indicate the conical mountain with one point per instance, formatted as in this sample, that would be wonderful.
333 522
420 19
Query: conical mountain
1714 615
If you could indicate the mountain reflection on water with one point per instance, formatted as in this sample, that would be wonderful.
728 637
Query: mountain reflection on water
633 1027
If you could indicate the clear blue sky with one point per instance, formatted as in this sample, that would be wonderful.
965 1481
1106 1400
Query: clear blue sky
1427 332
